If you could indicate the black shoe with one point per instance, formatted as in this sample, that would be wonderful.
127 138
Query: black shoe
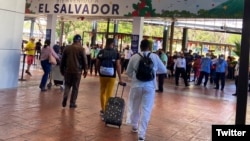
43 90
187 85
159 91
216 88
72 106
234 94
28 73
64 103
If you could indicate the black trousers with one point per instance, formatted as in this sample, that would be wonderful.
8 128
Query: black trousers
124 65
202 74
220 77
188 71
161 78
93 64
182 72
88 60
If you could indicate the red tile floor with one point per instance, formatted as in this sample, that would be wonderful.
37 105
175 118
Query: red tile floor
179 114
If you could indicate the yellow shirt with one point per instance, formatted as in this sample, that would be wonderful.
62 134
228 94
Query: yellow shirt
30 48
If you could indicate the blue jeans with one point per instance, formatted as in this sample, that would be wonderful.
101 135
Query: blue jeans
46 66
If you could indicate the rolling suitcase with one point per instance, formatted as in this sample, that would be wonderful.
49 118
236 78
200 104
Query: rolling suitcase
115 108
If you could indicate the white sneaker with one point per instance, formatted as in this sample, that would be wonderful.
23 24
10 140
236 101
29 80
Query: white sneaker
62 87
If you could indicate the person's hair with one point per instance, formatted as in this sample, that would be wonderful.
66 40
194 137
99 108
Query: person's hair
46 43
109 42
144 45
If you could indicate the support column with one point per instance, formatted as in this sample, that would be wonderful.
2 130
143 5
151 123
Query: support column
107 32
242 89
51 28
184 39
137 33
12 15
115 33
32 27
62 32
171 38
94 30
165 38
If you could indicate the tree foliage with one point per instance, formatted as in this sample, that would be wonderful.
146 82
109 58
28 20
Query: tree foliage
237 48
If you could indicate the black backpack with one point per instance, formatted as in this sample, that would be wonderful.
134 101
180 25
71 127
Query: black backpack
145 70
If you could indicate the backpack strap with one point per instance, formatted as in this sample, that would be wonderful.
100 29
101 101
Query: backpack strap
147 55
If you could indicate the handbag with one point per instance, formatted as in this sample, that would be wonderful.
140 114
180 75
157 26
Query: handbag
52 59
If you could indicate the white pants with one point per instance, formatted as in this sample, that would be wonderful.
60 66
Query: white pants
140 104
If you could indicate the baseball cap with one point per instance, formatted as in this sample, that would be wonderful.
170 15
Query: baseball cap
77 37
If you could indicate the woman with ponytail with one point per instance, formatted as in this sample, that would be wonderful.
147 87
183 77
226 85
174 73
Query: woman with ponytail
46 65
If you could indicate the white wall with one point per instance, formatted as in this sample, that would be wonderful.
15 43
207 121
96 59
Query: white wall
11 27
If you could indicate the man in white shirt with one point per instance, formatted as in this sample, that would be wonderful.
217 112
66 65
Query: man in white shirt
180 68
87 50
127 55
141 96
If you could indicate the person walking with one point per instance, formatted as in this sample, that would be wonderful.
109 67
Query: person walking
161 76
38 48
142 93
30 49
127 55
74 61
108 66
93 54
46 65
206 64
221 72
236 76
180 69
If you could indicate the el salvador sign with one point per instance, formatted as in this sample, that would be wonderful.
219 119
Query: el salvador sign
143 8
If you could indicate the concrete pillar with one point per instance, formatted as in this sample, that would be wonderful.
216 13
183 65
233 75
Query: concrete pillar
171 38
115 33
107 32
51 28
94 30
32 27
184 39
165 38
137 33
62 32
12 15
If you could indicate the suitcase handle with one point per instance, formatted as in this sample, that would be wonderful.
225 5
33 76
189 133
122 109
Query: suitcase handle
122 84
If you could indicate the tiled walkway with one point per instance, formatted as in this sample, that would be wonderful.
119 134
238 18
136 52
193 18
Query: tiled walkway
179 114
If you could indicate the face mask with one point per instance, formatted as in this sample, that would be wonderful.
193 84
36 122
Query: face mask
221 57
208 57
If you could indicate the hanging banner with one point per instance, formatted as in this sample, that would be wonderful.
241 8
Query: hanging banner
141 8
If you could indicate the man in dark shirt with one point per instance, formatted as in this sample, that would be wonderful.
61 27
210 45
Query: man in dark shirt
38 48
74 61
107 80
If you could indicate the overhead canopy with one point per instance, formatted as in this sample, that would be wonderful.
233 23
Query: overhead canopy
217 15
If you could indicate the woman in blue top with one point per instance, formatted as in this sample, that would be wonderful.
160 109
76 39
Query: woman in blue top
221 71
